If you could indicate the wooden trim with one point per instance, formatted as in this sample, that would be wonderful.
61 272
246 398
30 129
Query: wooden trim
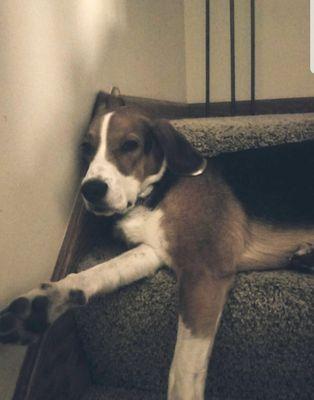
71 249
159 108
155 108
272 106
70 252
177 110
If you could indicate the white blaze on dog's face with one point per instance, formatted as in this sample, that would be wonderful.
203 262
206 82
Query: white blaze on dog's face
124 158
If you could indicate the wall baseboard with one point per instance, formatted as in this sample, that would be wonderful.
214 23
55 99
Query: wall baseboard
178 110
268 106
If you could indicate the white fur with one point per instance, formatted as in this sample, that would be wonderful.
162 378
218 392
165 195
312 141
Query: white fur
130 266
121 189
188 371
142 225
58 295
147 185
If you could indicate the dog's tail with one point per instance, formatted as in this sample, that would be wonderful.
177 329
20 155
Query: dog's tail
271 247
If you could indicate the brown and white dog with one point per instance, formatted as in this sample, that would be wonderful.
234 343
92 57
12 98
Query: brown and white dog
174 207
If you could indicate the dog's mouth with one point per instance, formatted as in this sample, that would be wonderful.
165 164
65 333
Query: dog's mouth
103 210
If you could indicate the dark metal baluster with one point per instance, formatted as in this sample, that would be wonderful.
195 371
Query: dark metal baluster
207 58
232 58
252 56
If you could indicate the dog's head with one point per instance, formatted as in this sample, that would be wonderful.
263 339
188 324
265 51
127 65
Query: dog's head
127 153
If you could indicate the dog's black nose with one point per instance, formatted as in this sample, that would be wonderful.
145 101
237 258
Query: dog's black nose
94 190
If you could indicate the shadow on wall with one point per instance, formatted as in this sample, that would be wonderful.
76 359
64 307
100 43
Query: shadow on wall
138 46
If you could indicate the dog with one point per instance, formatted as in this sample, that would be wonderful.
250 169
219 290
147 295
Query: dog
173 207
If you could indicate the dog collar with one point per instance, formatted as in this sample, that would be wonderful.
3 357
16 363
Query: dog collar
201 169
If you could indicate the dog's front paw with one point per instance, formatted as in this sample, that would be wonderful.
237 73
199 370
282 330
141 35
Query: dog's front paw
28 316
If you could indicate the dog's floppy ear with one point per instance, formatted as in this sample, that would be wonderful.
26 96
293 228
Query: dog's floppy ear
181 157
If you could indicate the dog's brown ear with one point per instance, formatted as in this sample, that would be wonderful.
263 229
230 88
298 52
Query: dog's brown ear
181 157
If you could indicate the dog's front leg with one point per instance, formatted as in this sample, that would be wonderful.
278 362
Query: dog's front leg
202 299
30 315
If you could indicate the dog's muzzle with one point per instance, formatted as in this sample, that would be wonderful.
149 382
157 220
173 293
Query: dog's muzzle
94 190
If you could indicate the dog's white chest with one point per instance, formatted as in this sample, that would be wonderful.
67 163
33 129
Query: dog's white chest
142 225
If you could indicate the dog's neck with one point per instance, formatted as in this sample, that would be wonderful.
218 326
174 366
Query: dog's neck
159 190
148 184
153 199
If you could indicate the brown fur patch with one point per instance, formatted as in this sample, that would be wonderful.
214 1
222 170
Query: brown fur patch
202 298
205 229
146 159
205 225
182 158
91 140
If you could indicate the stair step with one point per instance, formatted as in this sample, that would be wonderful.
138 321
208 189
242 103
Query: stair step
263 344
228 134
97 392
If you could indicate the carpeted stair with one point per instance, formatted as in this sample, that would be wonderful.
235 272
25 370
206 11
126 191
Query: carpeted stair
264 346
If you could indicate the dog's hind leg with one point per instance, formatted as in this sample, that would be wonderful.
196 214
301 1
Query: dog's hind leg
303 258
202 299
30 315
273 247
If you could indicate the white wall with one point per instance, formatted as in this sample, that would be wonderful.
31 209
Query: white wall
55 56
282 49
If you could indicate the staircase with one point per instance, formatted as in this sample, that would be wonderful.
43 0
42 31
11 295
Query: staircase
264 346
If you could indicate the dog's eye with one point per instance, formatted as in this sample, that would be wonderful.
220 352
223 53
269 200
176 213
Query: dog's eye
87 149
129 145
